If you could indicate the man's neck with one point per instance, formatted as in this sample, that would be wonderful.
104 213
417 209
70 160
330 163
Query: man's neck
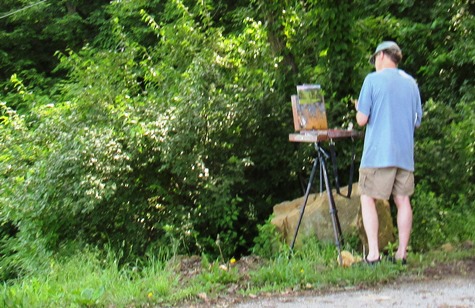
388 64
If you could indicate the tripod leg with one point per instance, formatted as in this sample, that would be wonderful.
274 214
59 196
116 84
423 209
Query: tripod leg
321 176
333 212
302 210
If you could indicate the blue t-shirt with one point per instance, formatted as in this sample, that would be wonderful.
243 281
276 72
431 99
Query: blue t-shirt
391 100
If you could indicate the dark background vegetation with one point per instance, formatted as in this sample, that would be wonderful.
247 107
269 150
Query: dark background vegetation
136 125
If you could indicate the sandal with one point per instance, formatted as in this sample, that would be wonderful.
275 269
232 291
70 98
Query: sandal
393 260
372 263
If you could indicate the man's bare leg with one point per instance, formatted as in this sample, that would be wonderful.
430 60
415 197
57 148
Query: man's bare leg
371 226
404 224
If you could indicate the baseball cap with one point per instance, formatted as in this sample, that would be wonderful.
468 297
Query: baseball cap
383 46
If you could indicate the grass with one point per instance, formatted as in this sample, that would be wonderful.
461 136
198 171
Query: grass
316 268
90 279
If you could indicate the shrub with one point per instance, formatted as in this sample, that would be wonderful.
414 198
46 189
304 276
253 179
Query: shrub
269 242
445 174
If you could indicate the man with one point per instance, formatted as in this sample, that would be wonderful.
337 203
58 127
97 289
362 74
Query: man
390 106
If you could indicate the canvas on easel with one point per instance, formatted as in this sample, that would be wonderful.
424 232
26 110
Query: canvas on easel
308 108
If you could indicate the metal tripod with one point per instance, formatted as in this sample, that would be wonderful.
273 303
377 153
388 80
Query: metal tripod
320 160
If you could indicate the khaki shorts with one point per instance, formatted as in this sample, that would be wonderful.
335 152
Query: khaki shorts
380 183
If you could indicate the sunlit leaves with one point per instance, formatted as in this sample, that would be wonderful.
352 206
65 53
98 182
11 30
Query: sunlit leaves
177 114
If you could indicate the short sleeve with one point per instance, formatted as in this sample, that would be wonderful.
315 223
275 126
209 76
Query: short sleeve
365 100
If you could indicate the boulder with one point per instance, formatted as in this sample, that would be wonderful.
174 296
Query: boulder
317 220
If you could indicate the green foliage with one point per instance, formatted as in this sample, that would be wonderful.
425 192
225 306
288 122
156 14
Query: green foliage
444 150
90 278
32 31
444 169
315 266
165 123
109 167
95 278
217 274
448 73
268 243
430 220
434 37
437 222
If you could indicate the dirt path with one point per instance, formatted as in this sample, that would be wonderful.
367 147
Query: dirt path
446 292
449 284
443 285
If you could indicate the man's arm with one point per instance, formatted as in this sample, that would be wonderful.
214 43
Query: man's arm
417 121
361 118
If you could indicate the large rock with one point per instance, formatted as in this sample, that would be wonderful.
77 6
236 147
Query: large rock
317 220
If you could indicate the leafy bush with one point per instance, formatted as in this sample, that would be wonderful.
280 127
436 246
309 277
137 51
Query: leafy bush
435 222
444 149
269 242
445 173
116 156
429 219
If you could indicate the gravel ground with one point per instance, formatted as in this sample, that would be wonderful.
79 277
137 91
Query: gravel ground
442 285
446 292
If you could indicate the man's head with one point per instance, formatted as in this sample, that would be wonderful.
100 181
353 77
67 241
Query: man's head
389 49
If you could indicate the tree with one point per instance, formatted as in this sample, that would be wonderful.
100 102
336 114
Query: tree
32 31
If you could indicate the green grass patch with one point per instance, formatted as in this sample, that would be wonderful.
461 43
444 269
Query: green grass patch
88 279
92 279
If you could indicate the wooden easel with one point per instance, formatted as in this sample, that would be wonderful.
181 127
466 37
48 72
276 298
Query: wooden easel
311 127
